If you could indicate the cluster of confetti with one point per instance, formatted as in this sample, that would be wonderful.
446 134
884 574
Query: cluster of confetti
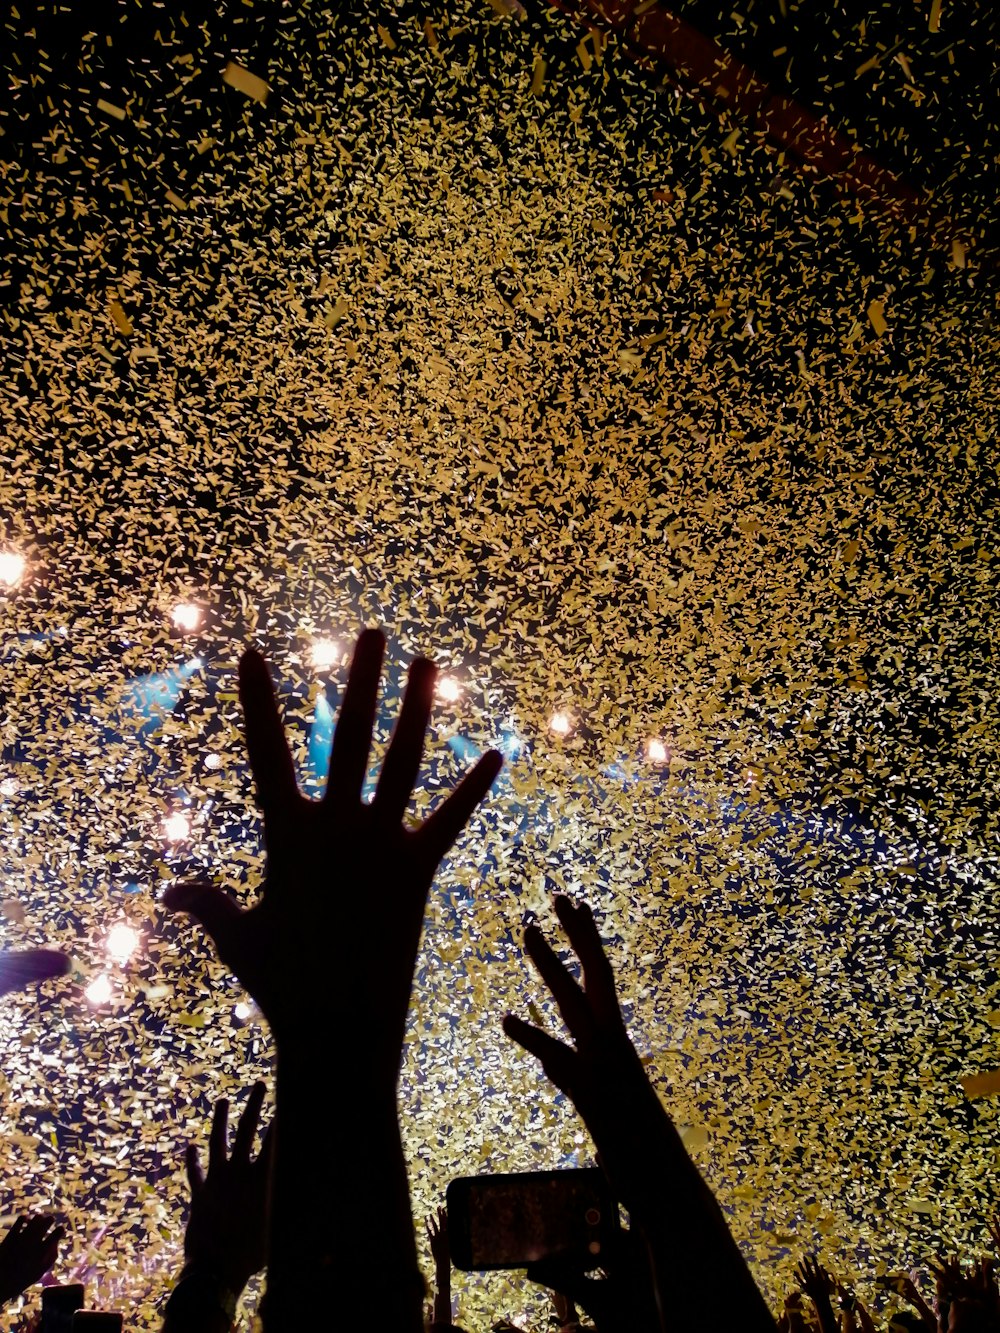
680 461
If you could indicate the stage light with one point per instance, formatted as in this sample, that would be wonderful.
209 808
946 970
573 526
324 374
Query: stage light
657 751
448 689
122 942
325 654
186 616
177 827
9 787
99 991
12 567
560 724
213 761
510 743
242 1011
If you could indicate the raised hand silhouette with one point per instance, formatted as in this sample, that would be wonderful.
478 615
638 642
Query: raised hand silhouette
697 1276
328 952
337 860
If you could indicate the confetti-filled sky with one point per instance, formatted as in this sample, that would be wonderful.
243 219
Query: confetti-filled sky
461 320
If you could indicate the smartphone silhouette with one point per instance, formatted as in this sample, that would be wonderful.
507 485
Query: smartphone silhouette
516 1219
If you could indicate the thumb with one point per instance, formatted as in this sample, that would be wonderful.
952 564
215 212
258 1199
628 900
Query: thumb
211 906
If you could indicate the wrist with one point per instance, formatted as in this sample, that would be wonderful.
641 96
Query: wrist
201 1290
227 1271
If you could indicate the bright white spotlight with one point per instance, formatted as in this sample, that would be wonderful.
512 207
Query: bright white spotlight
9 787
177 827
657 751
213 761
448 689
325 654
242 1011
186 616
122 943
99 991
12 566
560 724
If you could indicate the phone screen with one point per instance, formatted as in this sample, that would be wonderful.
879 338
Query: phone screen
513 1220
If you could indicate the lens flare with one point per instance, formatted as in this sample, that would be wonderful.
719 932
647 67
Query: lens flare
122 942
186 616
325 654
177 827
12 567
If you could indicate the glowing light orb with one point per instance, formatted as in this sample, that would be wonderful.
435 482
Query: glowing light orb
186 616
657 751
448 689
242 1010
122 942
177 827
99 991
213 761
9 787
560 724
325 653
12 566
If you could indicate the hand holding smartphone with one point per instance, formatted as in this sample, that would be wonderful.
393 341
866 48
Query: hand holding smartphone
517 1219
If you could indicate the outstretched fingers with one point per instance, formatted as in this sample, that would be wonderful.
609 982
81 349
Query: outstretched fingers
352 737
598 977
402 761
192 1166
218 1139
267 745
439 831
565 990
246 1130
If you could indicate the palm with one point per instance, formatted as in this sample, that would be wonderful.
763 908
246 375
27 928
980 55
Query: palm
337 861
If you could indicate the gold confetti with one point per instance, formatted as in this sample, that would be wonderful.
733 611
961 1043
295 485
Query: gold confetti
243 81
109 109
485 332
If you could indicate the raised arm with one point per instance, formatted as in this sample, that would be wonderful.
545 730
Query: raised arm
819 1286
699 1274
225 1241
27 1252
328 953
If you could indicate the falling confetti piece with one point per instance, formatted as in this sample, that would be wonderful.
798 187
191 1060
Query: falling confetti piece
243 81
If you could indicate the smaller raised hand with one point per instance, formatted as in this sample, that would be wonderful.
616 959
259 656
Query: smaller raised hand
819 1286
905 1286
225 1242
27 1252
947 1283
694 1273
792 1318
227 1225
437 1235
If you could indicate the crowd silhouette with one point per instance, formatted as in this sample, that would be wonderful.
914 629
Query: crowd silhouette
339 1000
